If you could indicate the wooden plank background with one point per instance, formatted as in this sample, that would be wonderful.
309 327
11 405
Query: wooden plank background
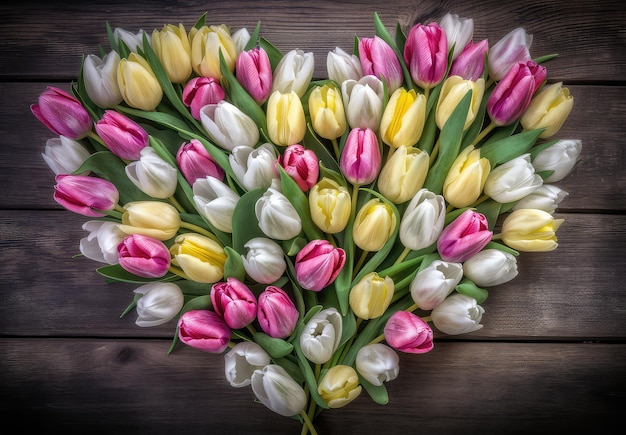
552 353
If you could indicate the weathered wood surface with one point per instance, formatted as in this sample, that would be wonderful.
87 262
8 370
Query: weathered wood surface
552 353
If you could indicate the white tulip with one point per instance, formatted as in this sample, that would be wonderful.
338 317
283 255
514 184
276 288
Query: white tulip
434 283
321 336
160 302
101 243
64 155
242 360
491 267
216 202
378 363
228 125
458 314
278 218
273 386
264 261
153 175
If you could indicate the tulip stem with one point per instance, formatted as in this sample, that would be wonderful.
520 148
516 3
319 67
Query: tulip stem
434 152
479 201
378 339
483 133
358 265
177 204
412 308
497 236
198 230
427 319
402 256
179 272
308 422
336 149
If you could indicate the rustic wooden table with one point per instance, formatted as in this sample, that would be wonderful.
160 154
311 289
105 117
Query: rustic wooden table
552 353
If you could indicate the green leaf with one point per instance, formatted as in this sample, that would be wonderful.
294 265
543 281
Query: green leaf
501 247
301 203
245 224
273 53
193 288
378 393
313 143
491 210
348 327
234 264
275 347
382 32
117 273
132 305
468 288
312 312
503 150
254 38
291 368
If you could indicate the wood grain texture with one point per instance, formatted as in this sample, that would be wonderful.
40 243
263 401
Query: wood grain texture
549 359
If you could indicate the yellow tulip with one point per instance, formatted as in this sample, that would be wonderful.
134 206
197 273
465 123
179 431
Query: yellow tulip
530 230
373 225
138 84
330 205
327 112
155 219
403 174
171 46
286 124
206 43
452 92
339 386
403 119
202 259
548 109
466 178
371 296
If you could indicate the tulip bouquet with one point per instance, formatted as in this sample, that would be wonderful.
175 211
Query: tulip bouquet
307 229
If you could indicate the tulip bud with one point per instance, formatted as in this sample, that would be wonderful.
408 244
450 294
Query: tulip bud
100 77
408 333
201 258
371 296
377 363
547 197
264 261
321 336
171 45
200 91
530 230
426 54
294 73
434 283
101 243
254 167
133 41
278 218
241 37
318 263
143 256
363 102
491 267
403 174
329 204
373 225
206 44
121 135
160 302
459 32
471 62
403 119
379 60
216 202
62 113
278 391
548 109
342 66
301 165
423 220
194 161
276 312
339 386
286 123
229 126
85 195
241 362
464 237
138 84
512 48
234 301
466 178
205 330
360 158
327 114
64 155
560 157
155 219
512 180
254 72
153 175
452 92
458 314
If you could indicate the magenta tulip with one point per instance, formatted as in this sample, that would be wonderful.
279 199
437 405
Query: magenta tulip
360 159
406 332
276 312
465 236
378 59
194 161
234 301
62 113
121 135
205 330
85 195
144 256
254 72
199 92
470 64
426 54
300 164
318 263
511 96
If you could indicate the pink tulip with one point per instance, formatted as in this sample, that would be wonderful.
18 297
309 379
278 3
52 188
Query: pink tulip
254 72
470 64
122 136
360 159
234 301
408 333
511 49
318 263
276 312
301 165
378 59
426 54
144 256
205 330
511 96
85 195
194 161
463 237
62 113
199 92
